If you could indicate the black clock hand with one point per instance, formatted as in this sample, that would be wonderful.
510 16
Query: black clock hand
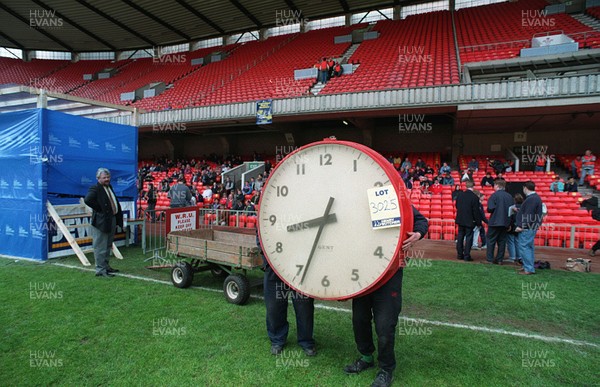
322 223
311 223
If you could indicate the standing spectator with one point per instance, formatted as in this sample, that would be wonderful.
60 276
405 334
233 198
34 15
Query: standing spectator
180 194
498 205
106 216
151 199
487 181
540 162
473 165
337 70
557 185
457 191
576 167
229 185
588 160
529 220
512 238
480 231
467 218
323 71
571 185
258 184
330 65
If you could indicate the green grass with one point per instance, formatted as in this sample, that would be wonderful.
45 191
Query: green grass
104 331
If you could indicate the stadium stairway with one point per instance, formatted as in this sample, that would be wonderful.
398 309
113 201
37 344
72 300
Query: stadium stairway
588 20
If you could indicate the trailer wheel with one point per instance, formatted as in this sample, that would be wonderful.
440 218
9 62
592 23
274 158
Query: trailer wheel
237 289
182 275
218 272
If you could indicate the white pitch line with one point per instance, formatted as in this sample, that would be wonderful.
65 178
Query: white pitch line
343 310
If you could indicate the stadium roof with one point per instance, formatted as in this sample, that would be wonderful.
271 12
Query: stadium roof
117 25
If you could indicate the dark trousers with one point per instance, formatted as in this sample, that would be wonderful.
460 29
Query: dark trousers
464 242
150 210
596 246
276 294
496 235
383 306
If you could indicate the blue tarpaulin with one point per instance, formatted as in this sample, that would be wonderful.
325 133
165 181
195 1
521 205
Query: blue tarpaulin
42 152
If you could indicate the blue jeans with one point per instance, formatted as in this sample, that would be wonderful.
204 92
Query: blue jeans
526 247
512 244
276 294
584 172
539 169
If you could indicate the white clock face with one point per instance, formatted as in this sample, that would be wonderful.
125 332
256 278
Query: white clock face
315 223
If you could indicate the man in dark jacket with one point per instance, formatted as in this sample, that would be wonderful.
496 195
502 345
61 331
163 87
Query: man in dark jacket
529 220
106 216
467 217
383 306
498 205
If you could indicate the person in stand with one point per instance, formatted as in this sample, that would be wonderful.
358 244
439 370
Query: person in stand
540 162
588 161
557 185
576 167
488 180
106 216
337 70
330 65
323 71
457 191
571 185
473 165
382 306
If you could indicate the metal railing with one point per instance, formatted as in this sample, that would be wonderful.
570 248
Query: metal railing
574 236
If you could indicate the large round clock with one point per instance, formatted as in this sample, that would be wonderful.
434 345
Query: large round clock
316 220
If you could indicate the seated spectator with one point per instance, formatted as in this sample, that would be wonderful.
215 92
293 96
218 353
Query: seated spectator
258 183
448 179
487 181
571 185
429 170
445 169
421 164
229 185
408 183
499 176
467 175
436 188
473 165
425 188
403 173
406 164
247 190
557 185
497 166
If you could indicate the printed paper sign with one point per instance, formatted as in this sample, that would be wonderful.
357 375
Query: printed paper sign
384 207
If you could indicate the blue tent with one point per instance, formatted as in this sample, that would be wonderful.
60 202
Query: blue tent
47 154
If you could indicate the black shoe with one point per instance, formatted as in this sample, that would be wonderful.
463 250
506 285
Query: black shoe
461 258
310 351
383 379
111 270
358 366
276 349
468 259
104 274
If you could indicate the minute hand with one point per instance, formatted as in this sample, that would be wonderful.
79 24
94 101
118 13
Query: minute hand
311 223
314 246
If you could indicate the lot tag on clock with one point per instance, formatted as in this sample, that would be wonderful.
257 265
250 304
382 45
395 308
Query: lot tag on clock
384 207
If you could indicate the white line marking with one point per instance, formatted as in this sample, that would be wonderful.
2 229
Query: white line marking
344 310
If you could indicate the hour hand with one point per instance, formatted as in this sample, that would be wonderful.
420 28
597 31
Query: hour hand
331 218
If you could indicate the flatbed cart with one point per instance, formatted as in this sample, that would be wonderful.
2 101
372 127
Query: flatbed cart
223 251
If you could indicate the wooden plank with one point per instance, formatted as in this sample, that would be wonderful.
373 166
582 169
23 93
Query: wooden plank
61 226
234 238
